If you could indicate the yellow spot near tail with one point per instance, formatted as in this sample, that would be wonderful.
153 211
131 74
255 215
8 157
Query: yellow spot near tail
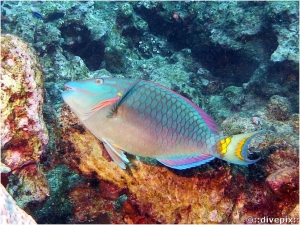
223 144
119 94
239 148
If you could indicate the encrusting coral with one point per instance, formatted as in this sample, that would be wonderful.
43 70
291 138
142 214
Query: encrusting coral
23 131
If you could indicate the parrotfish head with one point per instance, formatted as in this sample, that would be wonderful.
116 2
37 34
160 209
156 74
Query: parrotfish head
87 96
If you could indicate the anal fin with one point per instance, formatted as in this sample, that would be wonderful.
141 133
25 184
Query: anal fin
181 163
116 154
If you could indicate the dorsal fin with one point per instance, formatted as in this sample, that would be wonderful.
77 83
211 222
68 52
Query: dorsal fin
116 105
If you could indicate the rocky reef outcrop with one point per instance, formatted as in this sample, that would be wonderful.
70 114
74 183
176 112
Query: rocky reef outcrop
23 131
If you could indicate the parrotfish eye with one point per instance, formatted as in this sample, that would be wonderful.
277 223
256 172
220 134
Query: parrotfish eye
99 81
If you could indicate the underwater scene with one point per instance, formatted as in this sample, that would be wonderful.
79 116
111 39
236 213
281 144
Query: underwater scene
149 112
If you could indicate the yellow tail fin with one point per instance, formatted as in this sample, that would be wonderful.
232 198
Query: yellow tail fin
234 148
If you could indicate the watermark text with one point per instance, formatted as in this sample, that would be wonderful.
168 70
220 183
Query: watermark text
272 220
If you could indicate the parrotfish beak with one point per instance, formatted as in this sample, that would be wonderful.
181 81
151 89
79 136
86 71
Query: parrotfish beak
72 86
68 88
68 92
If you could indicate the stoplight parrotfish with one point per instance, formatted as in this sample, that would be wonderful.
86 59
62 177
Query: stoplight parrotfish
147 119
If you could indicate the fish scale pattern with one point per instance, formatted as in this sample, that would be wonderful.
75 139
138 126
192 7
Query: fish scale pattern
170 119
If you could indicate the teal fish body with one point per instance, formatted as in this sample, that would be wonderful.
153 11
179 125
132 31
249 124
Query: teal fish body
147 119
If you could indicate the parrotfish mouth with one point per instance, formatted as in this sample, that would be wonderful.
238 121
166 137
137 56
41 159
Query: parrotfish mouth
68 88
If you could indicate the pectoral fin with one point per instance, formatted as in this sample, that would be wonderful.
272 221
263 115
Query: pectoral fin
116 154
103 104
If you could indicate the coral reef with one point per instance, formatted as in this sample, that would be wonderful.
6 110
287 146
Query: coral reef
234 95
284 156
58 208
285 18
234 41
23 131
28 186
236 60
96 209
274 115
